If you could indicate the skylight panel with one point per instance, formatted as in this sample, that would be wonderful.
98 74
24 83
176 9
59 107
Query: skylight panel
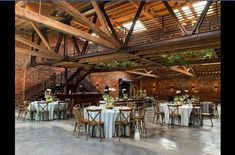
210 10
199 6
178 14
138 26
187 12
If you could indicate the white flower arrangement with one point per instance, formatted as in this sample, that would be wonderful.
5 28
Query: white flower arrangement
48 95
108 100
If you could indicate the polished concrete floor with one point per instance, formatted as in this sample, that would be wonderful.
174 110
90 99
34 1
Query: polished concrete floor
55 138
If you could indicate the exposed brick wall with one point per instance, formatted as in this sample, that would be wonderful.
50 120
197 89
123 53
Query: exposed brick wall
208 87
108 79
26 76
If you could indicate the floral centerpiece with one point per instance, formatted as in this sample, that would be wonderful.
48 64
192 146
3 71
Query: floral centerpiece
108 101
195 98
180 99
48 95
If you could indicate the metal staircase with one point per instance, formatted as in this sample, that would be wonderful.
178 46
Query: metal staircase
56 82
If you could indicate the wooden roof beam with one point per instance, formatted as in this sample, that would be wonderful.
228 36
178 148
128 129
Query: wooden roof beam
141 73
53 24
110 24
198 40
133 24
41 36
101 17
35 53
183 71
69 64
32 44
168 7
84 20
147 11
201 18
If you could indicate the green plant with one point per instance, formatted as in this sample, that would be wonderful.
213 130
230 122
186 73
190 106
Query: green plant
173 59
206 54
181 58
118 65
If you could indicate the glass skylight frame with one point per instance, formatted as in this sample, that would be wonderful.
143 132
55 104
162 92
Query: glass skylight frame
139 26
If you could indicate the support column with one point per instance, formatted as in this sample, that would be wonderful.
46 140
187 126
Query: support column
65 79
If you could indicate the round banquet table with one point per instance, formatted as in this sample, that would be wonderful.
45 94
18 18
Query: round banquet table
108 116
184 110
51 107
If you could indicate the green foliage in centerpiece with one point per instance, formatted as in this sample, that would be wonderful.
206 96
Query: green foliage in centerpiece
48 95
108 101
195 98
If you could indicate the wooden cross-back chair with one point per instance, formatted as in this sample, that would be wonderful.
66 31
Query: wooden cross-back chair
93 115
23 110
124 120
157 112
207 114
196 113
20 105
139 120
215 108
174 113
43 109
61 110
79 119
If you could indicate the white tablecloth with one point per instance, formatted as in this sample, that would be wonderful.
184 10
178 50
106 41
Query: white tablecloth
108 116
184 110
51 107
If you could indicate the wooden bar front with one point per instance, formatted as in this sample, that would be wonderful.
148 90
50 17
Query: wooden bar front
81 97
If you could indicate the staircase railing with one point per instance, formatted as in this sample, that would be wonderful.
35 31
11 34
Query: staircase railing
42 86
52 81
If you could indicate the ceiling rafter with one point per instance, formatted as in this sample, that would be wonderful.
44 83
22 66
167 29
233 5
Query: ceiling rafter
181 70
35 53
201 18
168 7
41 36
110 24
133 24
85 45
147 11
84 20
27 42
53 24
144 74
200 40
101 17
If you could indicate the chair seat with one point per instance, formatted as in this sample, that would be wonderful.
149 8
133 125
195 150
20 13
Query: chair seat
83 120
95 123
174 115
121 122
138 117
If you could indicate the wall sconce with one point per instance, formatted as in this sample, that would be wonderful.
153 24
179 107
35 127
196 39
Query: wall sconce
216 87
171 88
154 86
193 88
97 84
